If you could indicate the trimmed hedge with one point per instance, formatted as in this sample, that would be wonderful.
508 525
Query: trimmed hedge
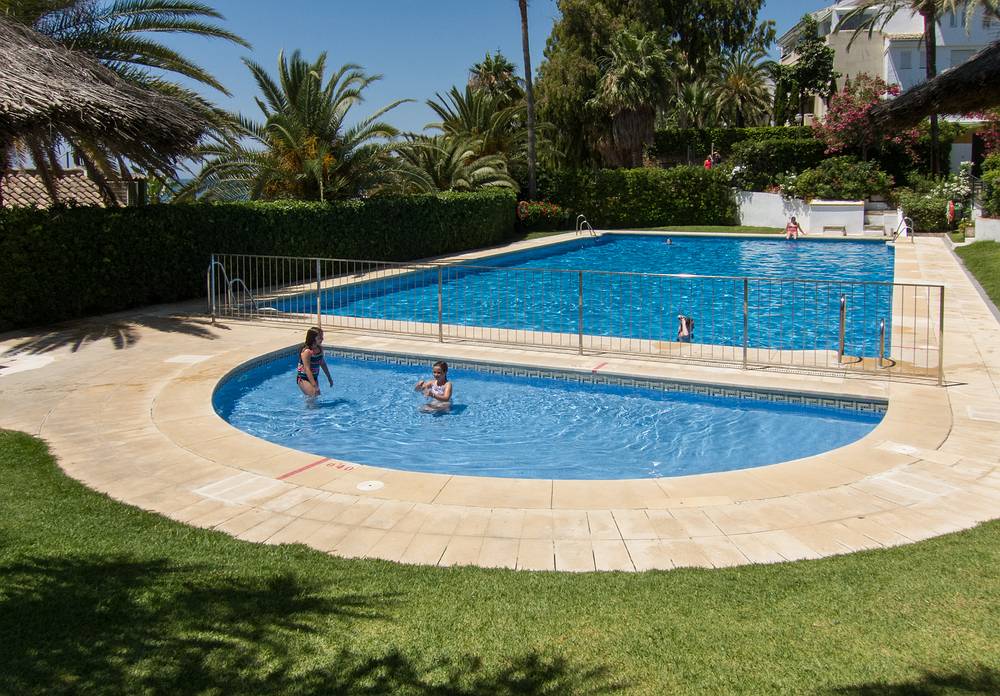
672 144
71 262
762 161
991 176
647 197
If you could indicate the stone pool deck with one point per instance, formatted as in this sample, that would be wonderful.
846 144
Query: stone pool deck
124 401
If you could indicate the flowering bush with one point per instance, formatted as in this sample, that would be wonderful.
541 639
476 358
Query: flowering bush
838 178
991 177
542 215
846 125
929 211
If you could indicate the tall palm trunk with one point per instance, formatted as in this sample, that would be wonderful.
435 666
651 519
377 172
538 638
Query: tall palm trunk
530 95
928 11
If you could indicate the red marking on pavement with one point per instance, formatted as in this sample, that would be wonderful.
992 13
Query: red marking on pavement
289 474
598 367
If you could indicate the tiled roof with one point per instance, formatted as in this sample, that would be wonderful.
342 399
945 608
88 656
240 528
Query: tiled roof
23 188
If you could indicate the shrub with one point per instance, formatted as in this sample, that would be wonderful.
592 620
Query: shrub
839 178
757 164
71 262
991 177
542 215
929 212
647 197
672 144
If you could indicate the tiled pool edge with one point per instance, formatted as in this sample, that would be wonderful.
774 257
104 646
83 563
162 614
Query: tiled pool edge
756 394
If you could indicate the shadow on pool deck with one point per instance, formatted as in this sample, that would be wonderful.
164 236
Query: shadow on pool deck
111 625
123 331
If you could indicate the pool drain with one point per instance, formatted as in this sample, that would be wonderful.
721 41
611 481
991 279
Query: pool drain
370 485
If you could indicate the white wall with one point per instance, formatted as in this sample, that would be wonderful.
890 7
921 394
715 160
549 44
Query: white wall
770 209
773 210
847 214
987 229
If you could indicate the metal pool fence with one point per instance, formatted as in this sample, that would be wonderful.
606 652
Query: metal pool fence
821 325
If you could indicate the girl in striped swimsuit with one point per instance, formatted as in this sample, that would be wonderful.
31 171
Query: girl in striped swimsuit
310 361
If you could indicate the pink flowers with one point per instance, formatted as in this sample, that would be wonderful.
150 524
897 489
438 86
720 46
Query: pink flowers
846 124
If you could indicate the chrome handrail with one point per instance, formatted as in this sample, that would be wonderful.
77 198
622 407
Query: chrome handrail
904 228
246 289
578 226
589 227
843 318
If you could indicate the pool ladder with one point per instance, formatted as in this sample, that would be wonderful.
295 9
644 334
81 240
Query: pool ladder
882 363
230 284
582 225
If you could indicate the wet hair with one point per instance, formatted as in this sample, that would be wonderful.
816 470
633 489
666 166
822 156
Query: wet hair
443 365
311 335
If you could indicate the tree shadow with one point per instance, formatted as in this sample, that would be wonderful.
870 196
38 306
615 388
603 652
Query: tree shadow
119 625
122 332
978 680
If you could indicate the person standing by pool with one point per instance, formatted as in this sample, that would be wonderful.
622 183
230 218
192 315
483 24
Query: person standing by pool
438 390
310 361
793 229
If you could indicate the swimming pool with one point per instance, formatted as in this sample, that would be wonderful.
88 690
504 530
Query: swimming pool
636 285
513 422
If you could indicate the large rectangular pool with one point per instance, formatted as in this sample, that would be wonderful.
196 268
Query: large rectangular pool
634 286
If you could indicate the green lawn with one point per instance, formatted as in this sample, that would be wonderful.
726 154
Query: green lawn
983 261
957 237
101 598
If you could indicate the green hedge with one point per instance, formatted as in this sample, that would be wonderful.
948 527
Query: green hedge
762 161
647 197
929 213
672 144
71 262
991 176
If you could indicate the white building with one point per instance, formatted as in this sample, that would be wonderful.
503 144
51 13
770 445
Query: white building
895 52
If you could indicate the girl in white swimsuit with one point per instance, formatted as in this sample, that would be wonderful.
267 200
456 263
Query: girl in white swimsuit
437 390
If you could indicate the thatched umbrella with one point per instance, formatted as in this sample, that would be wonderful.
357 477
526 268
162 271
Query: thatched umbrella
970 87
45 87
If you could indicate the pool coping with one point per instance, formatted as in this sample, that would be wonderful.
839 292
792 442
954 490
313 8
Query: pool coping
143 430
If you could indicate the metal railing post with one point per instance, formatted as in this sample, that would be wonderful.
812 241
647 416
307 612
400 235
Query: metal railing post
211 288
579 321
746 319
881 343
319 294
941 340
440 308
843 317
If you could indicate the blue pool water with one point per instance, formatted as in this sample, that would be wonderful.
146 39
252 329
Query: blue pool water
538 290
526 427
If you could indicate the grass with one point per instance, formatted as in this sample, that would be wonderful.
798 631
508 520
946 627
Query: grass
983 261
100 598
957 237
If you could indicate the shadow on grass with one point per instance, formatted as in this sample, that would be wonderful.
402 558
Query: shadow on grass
980 680
121 332
86 625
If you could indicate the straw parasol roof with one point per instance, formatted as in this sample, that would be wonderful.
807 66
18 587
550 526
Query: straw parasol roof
44 85
970 87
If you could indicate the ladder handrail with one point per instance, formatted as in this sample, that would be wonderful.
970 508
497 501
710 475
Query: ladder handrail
246 289
229 286
578 226
905 227
589 227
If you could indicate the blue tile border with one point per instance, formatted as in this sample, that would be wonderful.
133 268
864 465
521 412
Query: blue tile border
856 404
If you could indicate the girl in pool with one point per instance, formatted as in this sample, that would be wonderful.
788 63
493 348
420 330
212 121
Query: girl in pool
310 361
438 390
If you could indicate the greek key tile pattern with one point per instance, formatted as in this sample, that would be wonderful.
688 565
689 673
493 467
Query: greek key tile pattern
772 395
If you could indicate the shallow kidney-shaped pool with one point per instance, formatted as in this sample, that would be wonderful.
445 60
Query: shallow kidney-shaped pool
522 423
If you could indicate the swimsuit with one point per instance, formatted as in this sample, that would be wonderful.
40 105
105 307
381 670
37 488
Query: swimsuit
315 360
438 390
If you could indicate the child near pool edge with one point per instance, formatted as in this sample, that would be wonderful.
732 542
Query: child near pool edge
685 328
793 229
310 361
438 390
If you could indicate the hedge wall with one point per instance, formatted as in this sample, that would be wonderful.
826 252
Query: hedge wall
672 144
648 197
762 161
71 262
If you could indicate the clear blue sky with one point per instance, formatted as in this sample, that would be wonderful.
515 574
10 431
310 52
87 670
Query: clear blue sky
419 46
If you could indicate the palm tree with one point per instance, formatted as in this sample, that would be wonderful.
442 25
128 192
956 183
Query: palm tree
443 163
696 105
495 75
740 83
479 115
530 94
303 149
635 80
117 34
